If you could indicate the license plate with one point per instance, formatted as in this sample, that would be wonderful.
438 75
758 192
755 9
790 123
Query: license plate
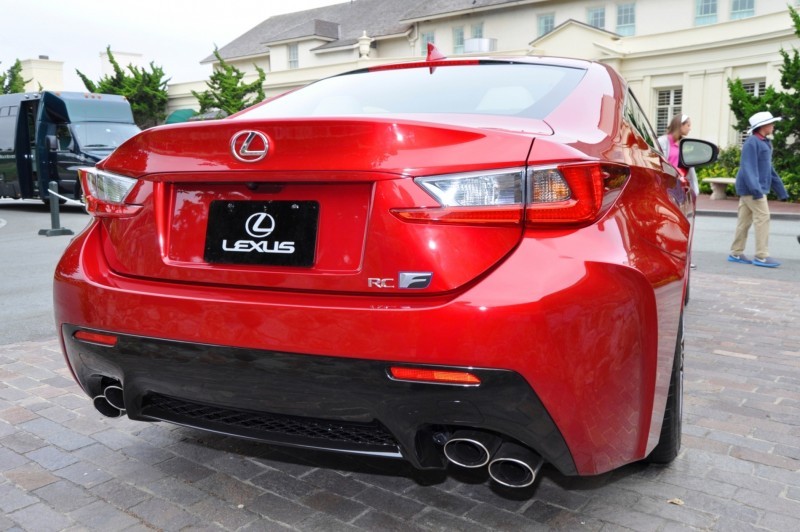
273 233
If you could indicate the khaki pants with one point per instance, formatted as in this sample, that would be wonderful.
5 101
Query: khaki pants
752 212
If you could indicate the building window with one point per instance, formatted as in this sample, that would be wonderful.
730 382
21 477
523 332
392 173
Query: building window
458 40
705 12
596 16
742 9
294 61
477 30
424 38
546 23
668 103
626 19
753 88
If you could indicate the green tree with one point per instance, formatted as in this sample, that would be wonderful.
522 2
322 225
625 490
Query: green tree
145 90
12 82
227 92
784 103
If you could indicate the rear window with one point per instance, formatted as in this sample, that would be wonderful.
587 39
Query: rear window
510 89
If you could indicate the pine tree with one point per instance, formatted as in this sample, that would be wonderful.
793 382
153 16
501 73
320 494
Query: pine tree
145 90
227 92
12 81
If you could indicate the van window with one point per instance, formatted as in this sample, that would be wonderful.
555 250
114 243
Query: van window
64 137
8 128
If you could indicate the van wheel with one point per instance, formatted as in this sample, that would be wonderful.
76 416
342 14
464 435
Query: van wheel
669 442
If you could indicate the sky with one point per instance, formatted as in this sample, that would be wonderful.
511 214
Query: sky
175 34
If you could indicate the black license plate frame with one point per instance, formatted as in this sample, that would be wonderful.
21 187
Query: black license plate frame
264 233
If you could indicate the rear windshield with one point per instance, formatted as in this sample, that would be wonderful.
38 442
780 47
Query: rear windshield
510 89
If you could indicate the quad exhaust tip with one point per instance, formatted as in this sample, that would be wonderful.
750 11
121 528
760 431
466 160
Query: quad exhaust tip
515 466
471 448
510 464
111 402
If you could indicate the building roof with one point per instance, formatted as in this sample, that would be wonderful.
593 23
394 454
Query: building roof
573 23
339 24
445 8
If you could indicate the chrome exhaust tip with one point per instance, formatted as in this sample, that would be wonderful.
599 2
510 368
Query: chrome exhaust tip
113 395
111 402
471 448
102 405
515 466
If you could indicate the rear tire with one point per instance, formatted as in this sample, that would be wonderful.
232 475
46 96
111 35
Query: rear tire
688 285
669 444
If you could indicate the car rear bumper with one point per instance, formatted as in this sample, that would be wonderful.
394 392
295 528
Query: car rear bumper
326 403
572 355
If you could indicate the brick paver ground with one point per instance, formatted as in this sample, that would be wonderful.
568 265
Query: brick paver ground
64 467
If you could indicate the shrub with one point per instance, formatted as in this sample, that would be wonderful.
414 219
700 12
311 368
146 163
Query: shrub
726 165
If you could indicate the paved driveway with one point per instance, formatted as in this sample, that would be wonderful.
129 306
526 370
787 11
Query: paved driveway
63 466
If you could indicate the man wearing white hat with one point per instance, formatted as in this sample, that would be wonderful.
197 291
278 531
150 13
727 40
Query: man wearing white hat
755 179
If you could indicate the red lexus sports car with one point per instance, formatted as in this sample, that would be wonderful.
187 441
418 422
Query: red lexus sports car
480 262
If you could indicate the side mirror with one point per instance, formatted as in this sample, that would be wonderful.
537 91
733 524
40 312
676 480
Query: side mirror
695 152
52 142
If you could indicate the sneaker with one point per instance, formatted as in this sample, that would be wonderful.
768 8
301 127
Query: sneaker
769 262
739 258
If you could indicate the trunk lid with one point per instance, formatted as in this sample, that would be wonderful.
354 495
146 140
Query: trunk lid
314 214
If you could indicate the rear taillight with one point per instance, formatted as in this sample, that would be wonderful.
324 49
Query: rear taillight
557 194
105 193
572 193
494 198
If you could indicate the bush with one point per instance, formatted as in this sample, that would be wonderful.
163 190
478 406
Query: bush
726 165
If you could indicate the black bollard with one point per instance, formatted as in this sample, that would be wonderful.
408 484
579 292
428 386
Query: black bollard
55 223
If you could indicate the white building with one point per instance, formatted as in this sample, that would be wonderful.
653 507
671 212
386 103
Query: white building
677 56
42 73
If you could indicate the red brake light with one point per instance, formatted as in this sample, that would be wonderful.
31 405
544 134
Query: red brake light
105 193
573 193
434 376
430 64
559 194
472 198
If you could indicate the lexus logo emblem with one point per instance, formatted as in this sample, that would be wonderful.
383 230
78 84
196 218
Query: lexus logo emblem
259 225
249 146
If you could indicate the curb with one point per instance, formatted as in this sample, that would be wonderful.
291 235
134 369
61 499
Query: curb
733 214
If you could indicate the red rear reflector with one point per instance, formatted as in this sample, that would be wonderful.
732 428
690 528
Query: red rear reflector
436 376
96 338
102 209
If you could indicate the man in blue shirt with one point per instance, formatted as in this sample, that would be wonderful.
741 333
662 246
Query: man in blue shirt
755 179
